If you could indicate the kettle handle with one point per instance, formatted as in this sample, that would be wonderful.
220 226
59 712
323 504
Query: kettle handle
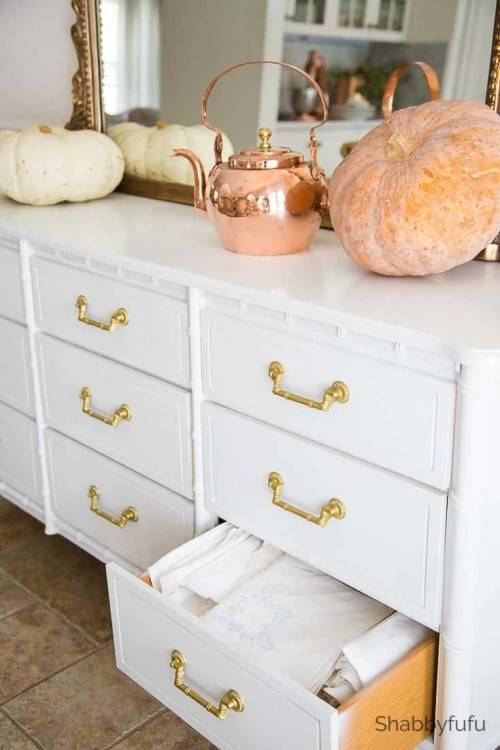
313 141
431 79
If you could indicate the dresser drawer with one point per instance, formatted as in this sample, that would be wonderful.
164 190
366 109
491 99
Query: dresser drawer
11 285
81 478
394 417
390 544
15 372
154 340
278 712
19 466
155 440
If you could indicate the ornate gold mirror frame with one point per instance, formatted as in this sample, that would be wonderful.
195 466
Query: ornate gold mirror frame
88 110
492 252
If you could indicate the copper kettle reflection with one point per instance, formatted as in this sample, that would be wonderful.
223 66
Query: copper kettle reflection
264 200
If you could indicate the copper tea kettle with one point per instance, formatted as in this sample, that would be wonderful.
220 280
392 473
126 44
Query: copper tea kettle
264 200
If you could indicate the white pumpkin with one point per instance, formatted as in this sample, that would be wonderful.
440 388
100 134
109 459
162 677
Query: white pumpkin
148 151
44 165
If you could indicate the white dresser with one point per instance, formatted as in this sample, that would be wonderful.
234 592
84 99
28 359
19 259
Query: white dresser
151 383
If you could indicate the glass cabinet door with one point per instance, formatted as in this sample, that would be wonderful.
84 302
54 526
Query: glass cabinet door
351 14
386 15
392 15
306 11
358 16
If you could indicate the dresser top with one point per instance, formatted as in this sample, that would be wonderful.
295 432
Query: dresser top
456 313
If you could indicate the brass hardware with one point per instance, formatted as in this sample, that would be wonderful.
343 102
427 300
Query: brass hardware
230 701
119 318
121 413
338 392
334 508
265 137
129 514
491 252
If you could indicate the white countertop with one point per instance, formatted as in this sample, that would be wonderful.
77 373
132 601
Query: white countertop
457 313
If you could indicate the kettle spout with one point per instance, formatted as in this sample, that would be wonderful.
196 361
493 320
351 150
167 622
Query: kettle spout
200 181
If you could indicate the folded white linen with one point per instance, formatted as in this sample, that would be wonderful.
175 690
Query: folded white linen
166 574
214 571
300 621
294 618
368 655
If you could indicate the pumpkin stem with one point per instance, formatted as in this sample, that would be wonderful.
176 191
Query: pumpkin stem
400 146
161 125
44 129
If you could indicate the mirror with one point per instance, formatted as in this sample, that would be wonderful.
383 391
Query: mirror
156 57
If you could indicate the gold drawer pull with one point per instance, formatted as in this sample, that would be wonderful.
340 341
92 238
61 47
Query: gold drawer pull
119 318
230 701
129 514
338 392
334 508
122 413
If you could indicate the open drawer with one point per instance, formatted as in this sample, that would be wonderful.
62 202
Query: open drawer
149 630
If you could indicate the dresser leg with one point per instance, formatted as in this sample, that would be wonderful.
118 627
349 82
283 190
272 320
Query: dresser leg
469 665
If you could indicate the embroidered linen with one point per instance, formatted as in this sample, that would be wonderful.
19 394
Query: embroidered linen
295 619
328 637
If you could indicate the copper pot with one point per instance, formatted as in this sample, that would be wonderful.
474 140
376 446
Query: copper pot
264 200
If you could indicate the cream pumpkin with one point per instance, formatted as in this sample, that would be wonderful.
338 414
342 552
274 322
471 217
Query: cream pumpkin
44 165
420 193
148 151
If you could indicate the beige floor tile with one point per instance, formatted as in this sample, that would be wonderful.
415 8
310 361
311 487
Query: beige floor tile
11 738
12 597
36 643
86 707
167 732
16 526
67 578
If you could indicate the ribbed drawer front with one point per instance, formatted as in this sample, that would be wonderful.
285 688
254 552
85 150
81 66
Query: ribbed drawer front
390 544
396 418
16 386
155 338
155 441
19 463
164 519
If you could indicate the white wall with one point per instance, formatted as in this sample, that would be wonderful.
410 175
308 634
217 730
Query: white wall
201 39
469 54
37 62
431 21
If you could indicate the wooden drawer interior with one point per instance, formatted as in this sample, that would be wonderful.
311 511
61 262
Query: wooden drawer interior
404 692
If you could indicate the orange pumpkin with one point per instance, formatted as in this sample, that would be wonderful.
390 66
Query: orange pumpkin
420 193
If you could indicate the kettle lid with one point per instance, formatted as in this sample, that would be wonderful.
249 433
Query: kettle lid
265 156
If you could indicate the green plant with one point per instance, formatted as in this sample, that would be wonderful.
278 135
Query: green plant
375 79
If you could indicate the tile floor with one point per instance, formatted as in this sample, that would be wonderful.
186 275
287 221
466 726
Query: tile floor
59 687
